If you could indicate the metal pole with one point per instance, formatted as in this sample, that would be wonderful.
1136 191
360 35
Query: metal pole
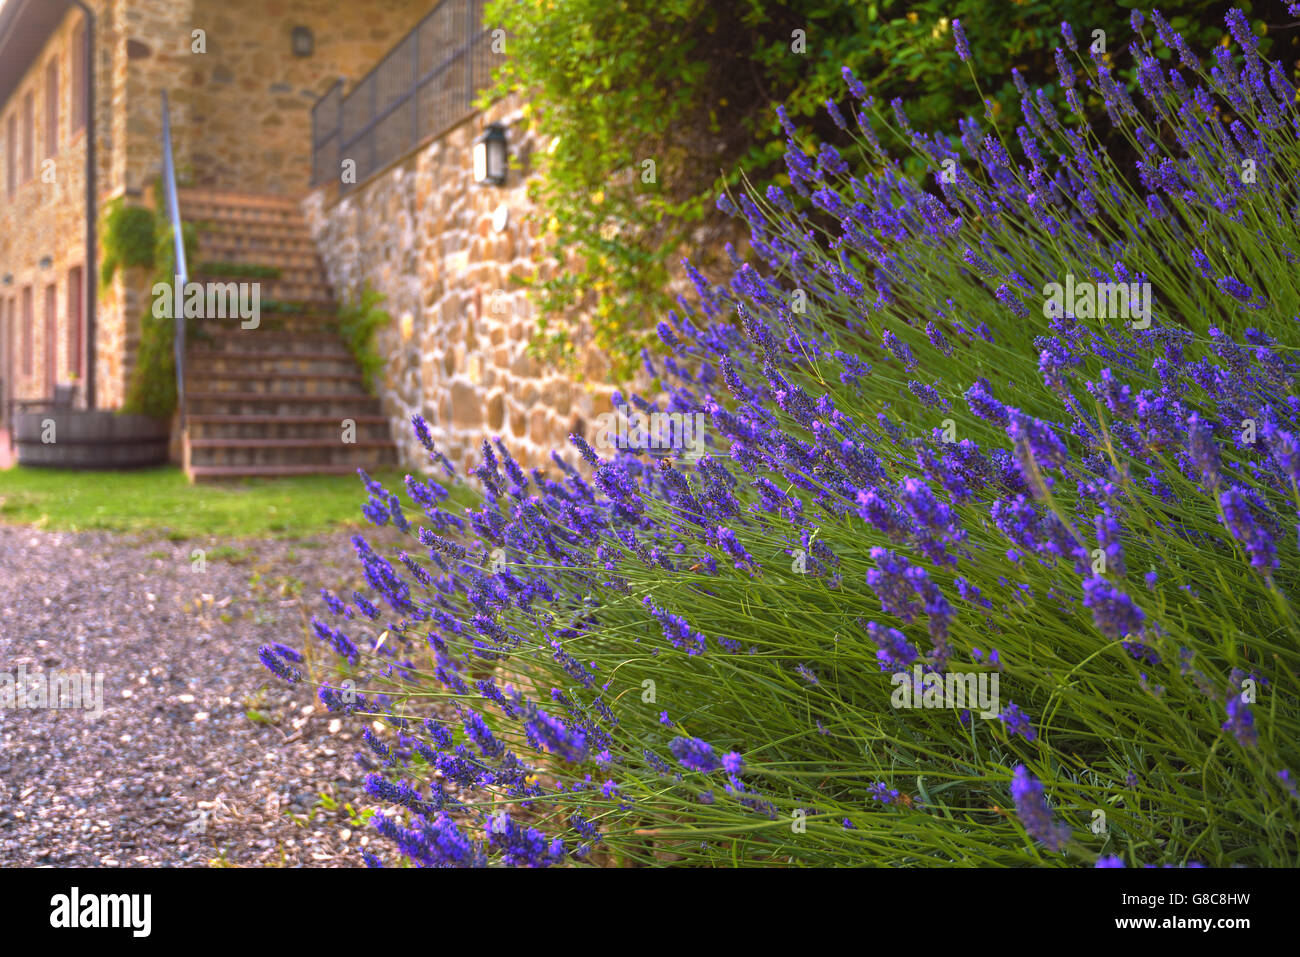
178 244
91 294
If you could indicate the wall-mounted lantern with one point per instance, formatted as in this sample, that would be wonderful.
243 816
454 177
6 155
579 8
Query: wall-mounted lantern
46 262
304 44
490 156
9 279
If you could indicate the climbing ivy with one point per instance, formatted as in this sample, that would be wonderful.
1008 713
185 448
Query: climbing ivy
691 85
151 389
127 237
359 320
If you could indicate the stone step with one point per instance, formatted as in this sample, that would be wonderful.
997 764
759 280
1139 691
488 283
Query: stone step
281 324
203 194
290 244
338 407
223 340
221 473
216 219
280 427
234 211
279 257
273 400
286 443
234 229
302 452
278 383
298 317
314 306
209 363
219 270
281 290
229 246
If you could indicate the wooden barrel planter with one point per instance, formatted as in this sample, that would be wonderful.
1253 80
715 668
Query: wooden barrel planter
90 439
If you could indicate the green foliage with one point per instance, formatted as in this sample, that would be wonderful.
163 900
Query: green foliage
358 322
152 387
127 237
692 85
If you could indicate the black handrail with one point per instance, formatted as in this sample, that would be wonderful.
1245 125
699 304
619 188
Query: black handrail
178 240
366 125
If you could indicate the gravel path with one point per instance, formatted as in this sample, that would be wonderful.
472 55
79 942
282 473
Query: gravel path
199 756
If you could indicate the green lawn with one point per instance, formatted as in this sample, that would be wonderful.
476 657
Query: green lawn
161 502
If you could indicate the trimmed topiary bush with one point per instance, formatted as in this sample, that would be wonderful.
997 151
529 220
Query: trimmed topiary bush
1018 431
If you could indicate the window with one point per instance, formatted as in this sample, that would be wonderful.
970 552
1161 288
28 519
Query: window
29 333
76 321
29 136
52 108
11 155
78 54
51 337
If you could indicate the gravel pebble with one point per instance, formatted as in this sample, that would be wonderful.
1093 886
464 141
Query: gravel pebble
200 756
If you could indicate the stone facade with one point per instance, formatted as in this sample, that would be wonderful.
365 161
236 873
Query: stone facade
241 120
425 235
250 98
42 223
443 250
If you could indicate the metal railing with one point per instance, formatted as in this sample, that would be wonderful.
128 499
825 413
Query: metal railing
178 240
424 86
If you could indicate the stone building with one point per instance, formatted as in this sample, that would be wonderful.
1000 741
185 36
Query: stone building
330 139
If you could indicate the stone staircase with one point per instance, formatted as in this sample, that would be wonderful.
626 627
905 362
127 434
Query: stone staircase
272 400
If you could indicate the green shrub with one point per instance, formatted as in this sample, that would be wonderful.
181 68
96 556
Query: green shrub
923 458
151 389
691 84
127 238
358 322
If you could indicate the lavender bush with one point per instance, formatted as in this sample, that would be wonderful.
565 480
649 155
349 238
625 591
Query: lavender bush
1023 426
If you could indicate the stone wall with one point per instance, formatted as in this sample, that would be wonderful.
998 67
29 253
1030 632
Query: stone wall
241 120
423 234
42 226
251 97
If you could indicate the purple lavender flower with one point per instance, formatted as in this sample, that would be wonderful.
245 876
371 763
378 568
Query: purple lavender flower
854 84
522 846
1035 815
275 662
1241 723
896 652
695 754
882 793
1017 721
1113 612
959 35
731 545
553 734
1239 516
